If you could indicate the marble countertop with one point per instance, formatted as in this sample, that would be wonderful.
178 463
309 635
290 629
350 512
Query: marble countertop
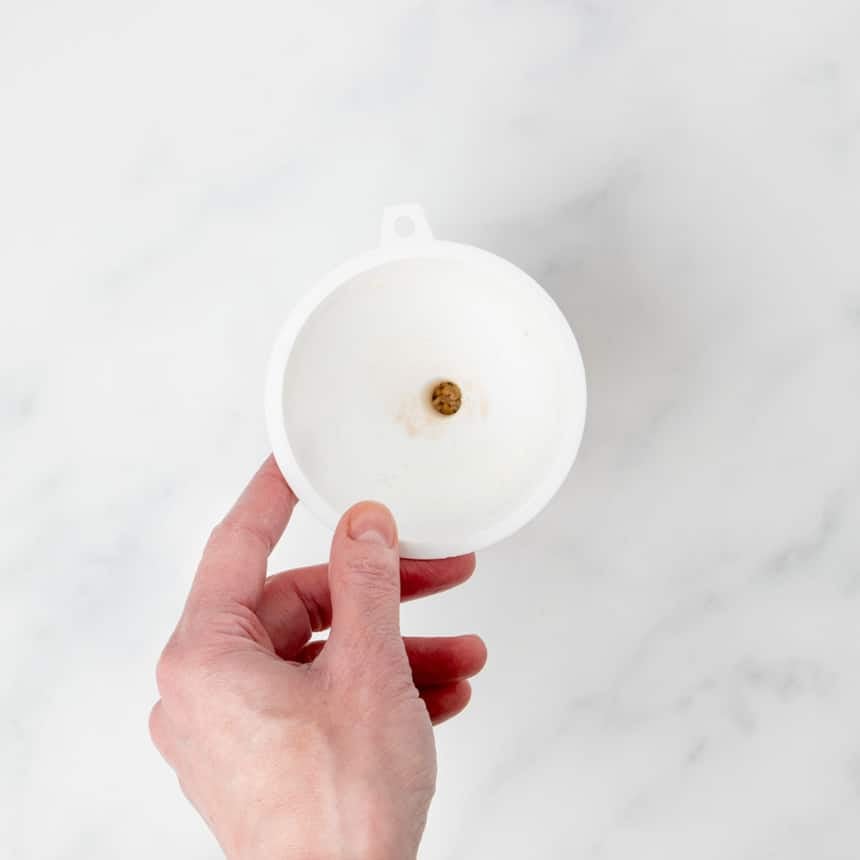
675 644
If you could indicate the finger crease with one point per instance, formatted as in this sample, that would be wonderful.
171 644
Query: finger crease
251 531
315 613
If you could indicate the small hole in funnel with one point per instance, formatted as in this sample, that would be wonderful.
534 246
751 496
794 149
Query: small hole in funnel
404 226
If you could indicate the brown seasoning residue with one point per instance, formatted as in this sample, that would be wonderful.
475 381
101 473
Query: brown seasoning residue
446 398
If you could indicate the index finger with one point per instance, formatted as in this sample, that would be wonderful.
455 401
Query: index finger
233 566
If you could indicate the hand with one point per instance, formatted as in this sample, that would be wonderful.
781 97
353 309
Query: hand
291 749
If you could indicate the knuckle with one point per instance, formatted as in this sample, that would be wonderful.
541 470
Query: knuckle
371 565
155 726
159 733
218 531
220 534
171 670
232 530
214 535
242 621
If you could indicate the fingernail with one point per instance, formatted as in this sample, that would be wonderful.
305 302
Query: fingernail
372 523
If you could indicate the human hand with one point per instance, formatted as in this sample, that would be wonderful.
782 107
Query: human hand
291 749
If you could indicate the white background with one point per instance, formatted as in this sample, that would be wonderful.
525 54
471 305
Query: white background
675 644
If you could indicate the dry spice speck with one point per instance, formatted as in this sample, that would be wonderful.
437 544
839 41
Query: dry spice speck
446 398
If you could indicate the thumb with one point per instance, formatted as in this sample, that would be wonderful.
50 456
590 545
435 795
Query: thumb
364 579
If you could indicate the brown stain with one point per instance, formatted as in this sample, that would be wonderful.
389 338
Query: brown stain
446 397
415 412
474 399
409 416
406 417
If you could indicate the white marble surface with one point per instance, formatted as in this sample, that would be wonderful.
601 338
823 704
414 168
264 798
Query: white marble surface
675 646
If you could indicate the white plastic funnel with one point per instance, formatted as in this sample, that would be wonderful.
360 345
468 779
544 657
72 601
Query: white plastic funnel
348 395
